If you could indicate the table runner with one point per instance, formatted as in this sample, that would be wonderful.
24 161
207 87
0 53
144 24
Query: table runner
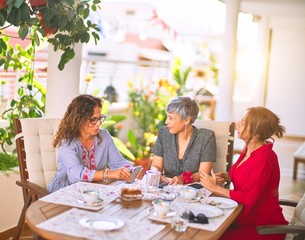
68 223
71 194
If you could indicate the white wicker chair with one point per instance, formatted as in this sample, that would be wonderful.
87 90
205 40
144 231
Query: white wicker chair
37 159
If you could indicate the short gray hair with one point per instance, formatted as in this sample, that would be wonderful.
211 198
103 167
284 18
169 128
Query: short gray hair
185 107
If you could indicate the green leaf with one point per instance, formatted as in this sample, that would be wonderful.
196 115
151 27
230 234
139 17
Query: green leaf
123 149
132 138
32 21
2 19
86 13
18 3
23 31
36 39
117 118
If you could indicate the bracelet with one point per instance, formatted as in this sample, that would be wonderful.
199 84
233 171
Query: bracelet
187 177
105 177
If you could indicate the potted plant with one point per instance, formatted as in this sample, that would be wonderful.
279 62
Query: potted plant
64 22
148 110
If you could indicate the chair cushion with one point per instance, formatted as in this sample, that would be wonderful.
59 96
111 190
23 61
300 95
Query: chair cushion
299 213
41 156
222 135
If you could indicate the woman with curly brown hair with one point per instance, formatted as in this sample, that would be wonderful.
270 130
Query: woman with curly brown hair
84 150
255 176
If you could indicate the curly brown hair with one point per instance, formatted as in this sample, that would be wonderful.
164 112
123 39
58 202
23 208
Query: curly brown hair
79 110
263 124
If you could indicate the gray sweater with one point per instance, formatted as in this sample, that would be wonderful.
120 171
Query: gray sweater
201 148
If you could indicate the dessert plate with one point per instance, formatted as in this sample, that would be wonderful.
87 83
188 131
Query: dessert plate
102 223
223 203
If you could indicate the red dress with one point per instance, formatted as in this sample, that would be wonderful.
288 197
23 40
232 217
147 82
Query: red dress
256 183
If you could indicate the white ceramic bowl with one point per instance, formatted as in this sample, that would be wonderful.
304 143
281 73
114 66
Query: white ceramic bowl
161 206
189 192
90 196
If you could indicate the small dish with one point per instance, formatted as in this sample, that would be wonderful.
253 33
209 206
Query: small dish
99 202
152 211
102 223
223 203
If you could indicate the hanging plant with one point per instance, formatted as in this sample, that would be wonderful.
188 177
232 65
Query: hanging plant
64 22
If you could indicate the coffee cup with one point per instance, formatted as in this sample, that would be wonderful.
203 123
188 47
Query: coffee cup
162 207
90 196
189 192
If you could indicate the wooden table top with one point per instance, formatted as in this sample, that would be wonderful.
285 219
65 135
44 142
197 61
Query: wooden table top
40 211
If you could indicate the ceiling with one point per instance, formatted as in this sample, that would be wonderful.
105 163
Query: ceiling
288 8
167 19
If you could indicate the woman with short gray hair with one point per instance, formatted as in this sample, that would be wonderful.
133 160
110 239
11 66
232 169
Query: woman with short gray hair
182 150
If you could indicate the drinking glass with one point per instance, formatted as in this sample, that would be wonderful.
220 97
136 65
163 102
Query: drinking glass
178 223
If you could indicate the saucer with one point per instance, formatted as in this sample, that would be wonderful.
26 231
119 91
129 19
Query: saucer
97 203
102 223
152 211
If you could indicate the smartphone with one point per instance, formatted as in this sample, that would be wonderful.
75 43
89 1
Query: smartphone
134 172
162 185
196 185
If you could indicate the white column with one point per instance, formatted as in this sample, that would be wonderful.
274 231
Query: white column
62 86
224 105
263 50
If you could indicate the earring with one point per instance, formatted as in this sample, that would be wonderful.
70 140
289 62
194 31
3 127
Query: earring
185 130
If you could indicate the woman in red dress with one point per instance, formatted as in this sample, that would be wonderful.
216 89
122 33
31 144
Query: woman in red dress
255 176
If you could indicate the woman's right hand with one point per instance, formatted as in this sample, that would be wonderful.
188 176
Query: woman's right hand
121 173
221 178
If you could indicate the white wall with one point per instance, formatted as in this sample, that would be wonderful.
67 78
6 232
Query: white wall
286 75
11 201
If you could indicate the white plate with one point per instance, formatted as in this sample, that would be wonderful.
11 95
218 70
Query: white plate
207 210
192 200
223 203
102 223
152 211
97 203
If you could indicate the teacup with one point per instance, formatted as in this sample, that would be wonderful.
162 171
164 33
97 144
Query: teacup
90 196
162 206
189 192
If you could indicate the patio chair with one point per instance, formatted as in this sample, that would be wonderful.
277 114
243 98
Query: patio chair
37 159
224 133
296 226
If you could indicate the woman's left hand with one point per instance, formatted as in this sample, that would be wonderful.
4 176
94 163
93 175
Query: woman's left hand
209 182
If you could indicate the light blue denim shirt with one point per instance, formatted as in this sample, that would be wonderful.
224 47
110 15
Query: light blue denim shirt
70 168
